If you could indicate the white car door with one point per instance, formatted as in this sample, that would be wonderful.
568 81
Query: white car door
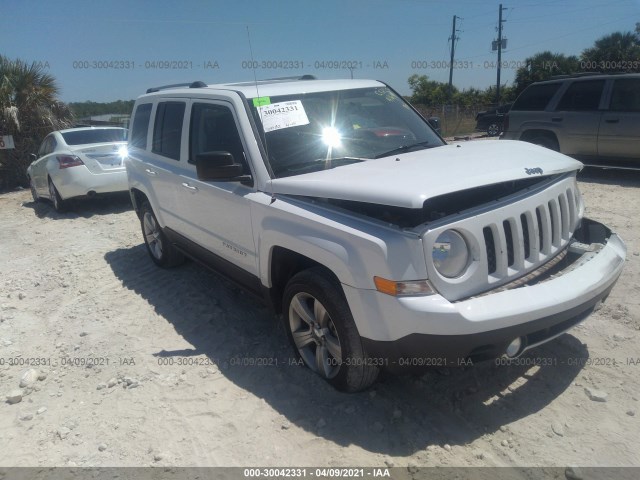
217 215
39 168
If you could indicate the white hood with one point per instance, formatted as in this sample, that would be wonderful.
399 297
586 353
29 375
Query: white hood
407 180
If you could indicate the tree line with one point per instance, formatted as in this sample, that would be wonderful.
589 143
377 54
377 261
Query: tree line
30 108
615 53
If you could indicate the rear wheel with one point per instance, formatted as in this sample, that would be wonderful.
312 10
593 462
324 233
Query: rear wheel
58 204
322 331
162 252
494 129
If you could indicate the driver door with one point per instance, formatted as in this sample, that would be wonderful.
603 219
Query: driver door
217 214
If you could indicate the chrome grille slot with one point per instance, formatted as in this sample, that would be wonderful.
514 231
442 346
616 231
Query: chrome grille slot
491 250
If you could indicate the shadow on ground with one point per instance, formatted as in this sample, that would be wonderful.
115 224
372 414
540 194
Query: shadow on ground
84 207
398 416
611 176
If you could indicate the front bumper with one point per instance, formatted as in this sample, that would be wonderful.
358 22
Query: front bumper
430 328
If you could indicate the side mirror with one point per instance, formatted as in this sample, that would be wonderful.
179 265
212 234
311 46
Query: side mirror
33 157
435 123
217 166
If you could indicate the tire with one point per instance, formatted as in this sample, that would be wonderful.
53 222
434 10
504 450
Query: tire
34 192
494 129
59 205
321 329
545 141
161 251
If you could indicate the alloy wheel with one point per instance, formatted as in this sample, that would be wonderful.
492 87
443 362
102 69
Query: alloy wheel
315 335
152 235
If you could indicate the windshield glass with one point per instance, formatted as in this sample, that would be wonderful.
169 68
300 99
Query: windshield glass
320 130
102 135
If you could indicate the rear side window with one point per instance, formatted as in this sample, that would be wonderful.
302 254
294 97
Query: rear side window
167 131
536 97
626 95
140 126
582 96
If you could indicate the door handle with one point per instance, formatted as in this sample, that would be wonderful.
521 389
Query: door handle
612 120
556 119
186 185
151 172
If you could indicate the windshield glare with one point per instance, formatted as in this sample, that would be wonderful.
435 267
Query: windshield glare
319 130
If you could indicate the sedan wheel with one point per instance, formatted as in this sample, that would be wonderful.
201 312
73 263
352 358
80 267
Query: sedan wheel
34 192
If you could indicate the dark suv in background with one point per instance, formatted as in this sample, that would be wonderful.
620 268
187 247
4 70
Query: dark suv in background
492 121
591 117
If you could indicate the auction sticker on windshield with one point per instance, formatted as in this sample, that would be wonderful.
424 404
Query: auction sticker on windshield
282 115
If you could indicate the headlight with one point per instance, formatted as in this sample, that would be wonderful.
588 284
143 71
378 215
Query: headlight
450 254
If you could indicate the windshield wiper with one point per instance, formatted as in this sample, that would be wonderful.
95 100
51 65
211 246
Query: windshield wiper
314 163
405 148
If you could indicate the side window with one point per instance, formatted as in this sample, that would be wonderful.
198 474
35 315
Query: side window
213 129
626 95
536 97
140 126
167 130
582 96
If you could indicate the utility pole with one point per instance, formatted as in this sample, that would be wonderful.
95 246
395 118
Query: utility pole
453 39
500 22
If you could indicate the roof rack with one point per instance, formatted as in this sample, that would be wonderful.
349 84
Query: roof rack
303 77
576 75
196 84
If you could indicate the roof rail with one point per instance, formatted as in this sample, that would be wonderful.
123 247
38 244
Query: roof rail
576 75
303 77
196 84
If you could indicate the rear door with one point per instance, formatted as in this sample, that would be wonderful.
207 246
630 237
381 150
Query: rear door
39 168
577 116
619 135
154 157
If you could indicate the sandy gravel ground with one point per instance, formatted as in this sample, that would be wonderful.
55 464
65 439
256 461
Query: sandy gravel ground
138 366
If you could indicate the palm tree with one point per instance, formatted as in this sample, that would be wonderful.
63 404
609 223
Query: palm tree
29 110
619 51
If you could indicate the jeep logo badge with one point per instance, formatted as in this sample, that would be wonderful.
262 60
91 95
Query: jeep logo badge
534 171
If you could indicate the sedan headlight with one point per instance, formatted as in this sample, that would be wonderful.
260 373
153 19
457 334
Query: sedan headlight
450 254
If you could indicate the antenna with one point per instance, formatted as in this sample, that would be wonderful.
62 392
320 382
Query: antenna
255 79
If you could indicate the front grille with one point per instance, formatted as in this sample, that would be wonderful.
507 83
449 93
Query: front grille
530 237
510 239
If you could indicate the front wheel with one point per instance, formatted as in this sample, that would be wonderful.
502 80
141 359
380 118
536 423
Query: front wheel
162 252
34 192
321 329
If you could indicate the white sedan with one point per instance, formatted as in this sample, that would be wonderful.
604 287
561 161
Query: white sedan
78 162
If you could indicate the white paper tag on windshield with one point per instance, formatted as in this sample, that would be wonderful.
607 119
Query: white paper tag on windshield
282 115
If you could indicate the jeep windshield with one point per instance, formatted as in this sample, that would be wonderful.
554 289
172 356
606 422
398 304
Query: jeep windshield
315 131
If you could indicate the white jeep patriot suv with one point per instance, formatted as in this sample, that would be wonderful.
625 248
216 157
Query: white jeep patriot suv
380 245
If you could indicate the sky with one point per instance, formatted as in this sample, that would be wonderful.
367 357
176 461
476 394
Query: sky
112 49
